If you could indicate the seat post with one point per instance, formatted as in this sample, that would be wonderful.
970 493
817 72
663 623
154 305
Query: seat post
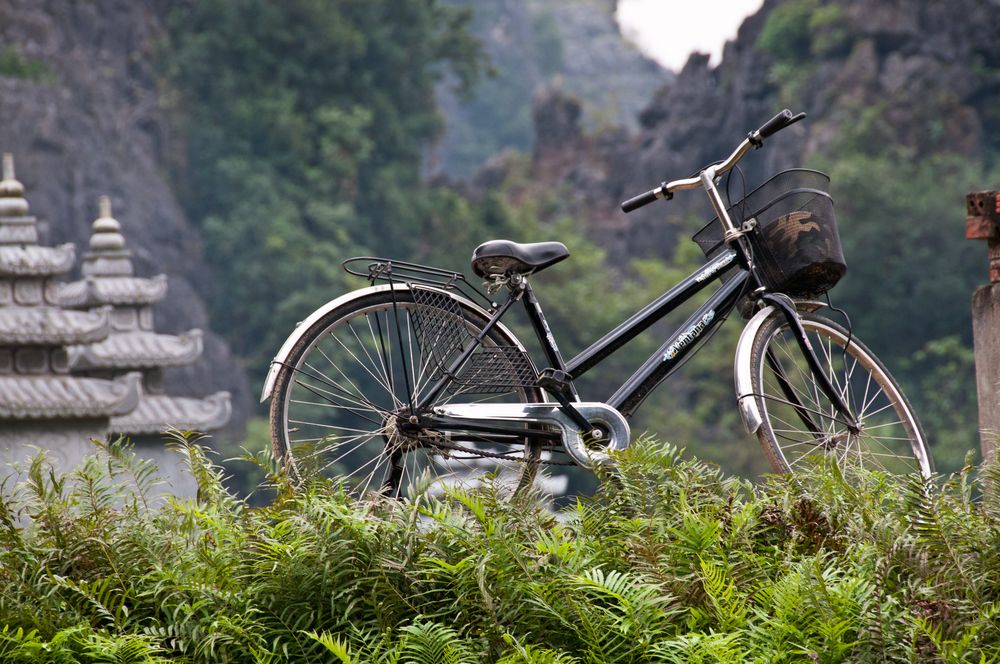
545 337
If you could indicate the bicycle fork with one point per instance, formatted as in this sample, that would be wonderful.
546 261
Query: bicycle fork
744 390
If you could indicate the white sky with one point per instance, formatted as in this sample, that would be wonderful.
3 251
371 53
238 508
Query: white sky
669 30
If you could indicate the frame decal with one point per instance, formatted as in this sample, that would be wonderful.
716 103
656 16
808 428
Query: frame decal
689 335
715 266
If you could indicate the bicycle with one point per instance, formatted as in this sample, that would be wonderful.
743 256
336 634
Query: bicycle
416 380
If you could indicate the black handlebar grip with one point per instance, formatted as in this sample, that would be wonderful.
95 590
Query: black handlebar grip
778 122
637 202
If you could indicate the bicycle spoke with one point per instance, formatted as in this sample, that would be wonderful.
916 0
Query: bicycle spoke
888 438
353 411
356 393
378 380
331 398
340 413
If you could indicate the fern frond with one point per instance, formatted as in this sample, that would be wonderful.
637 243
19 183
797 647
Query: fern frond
143 474
17 641
989 476
718 648
334 644
729 606
208 476
529 654
433 643
102 601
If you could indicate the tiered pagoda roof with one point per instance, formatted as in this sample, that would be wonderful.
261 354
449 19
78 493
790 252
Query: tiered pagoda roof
182 413
36 261
34 330
93 292
138 350
46 326
109 281
20 253
67 397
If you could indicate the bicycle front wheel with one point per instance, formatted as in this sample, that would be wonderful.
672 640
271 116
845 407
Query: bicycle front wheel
343 400
799 420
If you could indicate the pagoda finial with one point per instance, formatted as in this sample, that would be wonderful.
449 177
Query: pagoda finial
12 203
107 231
108 255
104 206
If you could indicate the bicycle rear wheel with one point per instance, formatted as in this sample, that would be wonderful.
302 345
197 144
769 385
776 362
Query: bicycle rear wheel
342 405
799 420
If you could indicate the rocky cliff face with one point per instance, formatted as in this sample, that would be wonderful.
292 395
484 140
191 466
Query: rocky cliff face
82 112
869 59
572 45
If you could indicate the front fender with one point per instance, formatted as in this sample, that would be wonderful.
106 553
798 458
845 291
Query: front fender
742 372
300 329
749 411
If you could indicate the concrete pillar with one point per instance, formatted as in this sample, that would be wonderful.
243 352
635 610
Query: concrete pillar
983 223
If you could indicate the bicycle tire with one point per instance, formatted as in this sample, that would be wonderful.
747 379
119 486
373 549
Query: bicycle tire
891 438
341 385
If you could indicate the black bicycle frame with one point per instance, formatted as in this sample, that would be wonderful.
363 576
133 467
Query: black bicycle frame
658 366
739 280
676 349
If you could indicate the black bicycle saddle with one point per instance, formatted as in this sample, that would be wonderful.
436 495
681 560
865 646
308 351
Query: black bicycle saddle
503 256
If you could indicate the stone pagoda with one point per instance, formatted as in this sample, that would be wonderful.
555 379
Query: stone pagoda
133 345
41 404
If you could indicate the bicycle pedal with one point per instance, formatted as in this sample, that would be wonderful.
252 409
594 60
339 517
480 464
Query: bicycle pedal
555 381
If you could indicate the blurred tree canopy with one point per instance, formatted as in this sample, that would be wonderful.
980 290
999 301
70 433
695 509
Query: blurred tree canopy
306 122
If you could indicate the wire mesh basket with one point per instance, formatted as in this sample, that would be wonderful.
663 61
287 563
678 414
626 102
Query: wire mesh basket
443 334
796 244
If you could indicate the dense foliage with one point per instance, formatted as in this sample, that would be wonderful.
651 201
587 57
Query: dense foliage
673 561
306 123
15 65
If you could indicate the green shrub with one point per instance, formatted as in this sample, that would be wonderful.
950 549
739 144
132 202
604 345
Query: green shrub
830 31
672 561
798 34
786 34
15 65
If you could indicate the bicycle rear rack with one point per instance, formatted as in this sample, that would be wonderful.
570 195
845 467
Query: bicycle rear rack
390 270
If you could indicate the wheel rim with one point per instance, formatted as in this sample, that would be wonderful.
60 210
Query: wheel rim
889 439
346 410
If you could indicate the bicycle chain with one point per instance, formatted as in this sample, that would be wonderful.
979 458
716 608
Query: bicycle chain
499 455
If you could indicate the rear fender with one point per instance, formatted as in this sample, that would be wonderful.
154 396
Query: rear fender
300 330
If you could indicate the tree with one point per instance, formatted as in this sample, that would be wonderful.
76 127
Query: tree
305 124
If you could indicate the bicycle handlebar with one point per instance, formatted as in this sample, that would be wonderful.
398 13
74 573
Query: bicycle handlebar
778 122
754 139
646 198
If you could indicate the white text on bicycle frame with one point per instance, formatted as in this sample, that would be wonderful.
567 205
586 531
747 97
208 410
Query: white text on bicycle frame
716 265
688 336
